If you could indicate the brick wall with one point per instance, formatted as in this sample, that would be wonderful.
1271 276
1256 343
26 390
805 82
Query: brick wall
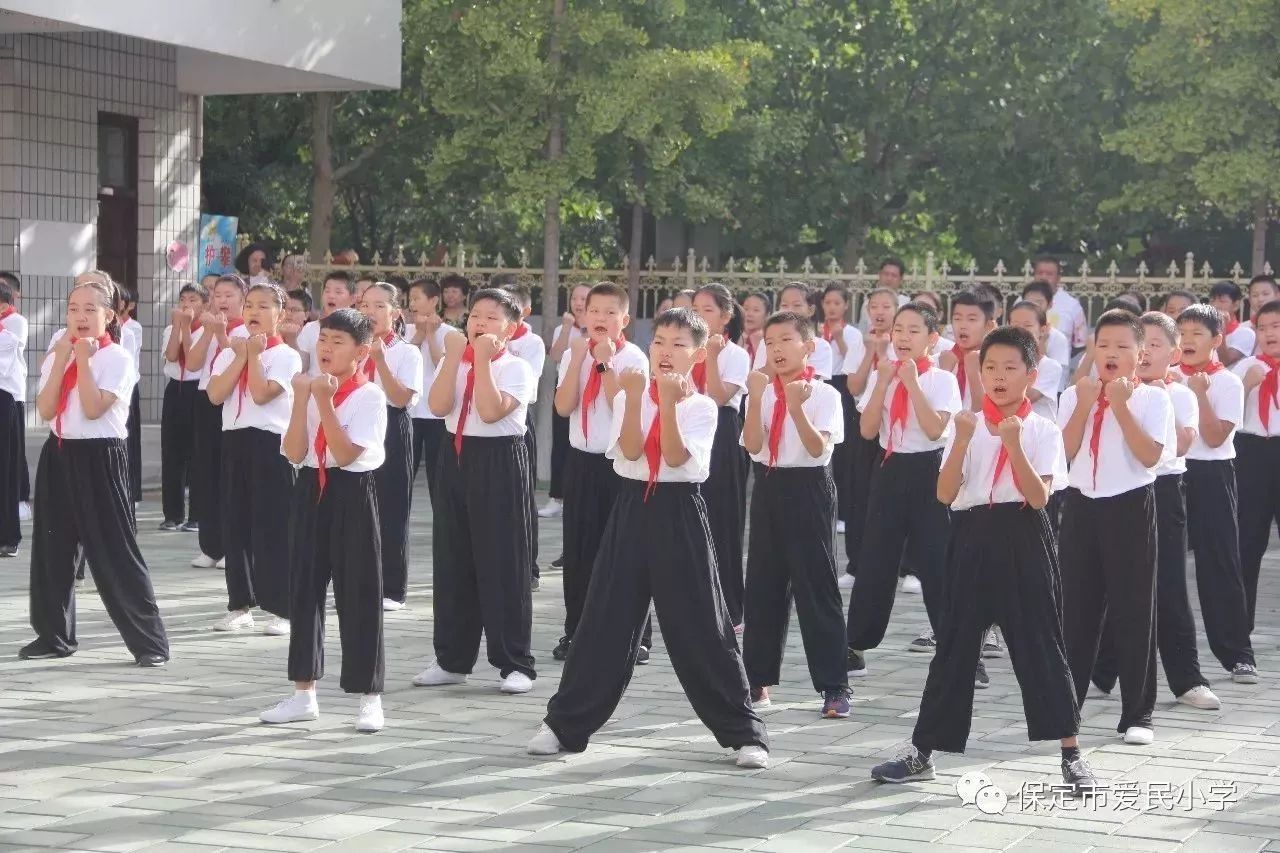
52 87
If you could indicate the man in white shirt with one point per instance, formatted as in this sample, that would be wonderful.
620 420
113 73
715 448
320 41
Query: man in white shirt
1065 313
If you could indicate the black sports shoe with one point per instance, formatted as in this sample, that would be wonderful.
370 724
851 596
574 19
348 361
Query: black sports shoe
856 664
535 584
980 678
924 643
38 650
170 526
1244 673
642 656
151 661
1080 776
558 562
191 527
561 651
908 767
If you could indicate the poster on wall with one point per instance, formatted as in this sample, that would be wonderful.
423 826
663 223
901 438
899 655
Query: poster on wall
217 244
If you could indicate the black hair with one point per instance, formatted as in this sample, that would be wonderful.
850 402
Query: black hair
1163 322
1227 288
503 279
1041 287
1205 315
7 294
1012 336
352 322
277 292
198 289
837 288
429 286
505 301
369 276
401 283
1123 303
1184 294
1272 307
991 293
1047 259
973 300
613 291
725 302
397 325
1042 317
521 292
782 318
1264 277
458 281
12 280
109 291
815 307
894 262
926 312
684 318
929 295
304 296
764 296
342 276
1120 317
242 259
232 278
1135 297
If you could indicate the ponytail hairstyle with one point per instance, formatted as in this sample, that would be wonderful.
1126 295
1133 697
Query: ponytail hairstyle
725 302
393 293
109 294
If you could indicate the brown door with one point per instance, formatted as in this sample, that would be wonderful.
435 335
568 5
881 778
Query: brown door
118 197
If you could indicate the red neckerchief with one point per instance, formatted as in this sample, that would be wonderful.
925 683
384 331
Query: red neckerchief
69 379
1210 368
991 414
469 359
592 389
182 353
242 384
232 325
828 332
1232 325
900 403
779 417
962 375
699 374
369 367
1267 391
653 441
521 330
345 390
8 312
750 346
1095 437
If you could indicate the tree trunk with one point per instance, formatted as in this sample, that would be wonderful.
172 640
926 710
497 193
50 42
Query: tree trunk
637 241
323 186
1260 223
851 252
551 239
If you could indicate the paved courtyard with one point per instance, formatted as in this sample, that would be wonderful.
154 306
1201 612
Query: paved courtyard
96 754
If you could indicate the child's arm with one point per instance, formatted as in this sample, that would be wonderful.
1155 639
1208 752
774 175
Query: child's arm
951 476
440 399
672 388
753 428
869 424
295 436
568 394
397 394
223 385
563 341
199 351
490 402
341 450
1213 429
1145 448
932 421
815 443
1087 390
173 348
972 368
1034 487
262 388
94 402
1227 355
47 399
631 438
1085 367
717 389
604 352
857 381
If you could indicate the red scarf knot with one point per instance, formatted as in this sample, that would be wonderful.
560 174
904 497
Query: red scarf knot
1267 391
370 369
992 415
469 359
779 417
1232 325
345 390
900 403
653 441
521 330
69 379
242 384
1210 368
962 375
829 331
7 312
592 389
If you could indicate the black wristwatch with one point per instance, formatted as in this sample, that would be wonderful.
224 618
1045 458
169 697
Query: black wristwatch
602 368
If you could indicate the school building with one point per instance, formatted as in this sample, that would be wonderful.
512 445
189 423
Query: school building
101 109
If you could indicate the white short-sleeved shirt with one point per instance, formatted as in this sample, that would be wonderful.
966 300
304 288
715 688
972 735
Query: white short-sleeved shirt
1243 339
1118 470
422 409
734 364
1186 413
529 347
405 361
820 360
1058 348
943 393
824 411
308 339
599 416
212 352
113 372
856 351
1041 441
172 369
512 376
1048 382
363 417
1226 396
697 417
1067 315
13 356
1252 423
852 341
131 339
280 364
556 332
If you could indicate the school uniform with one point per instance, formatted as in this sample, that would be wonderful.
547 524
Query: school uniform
177 431
821 360
1240 337
559 435
525 344
394 476
13 395
864 455
841 460
1107 548
657 547
482 580
428 429
1213 528
334 536
1258 472
206 481
1058 348
308 340
1175 623
82 502
1048 381
257 483
131 339
1002 569
792 548
590 484
1067 316
904 517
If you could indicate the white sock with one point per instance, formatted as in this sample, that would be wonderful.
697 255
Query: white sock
309 692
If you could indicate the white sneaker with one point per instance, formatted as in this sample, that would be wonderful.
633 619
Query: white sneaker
234 620
222 564
839 527
276 627
753 757
846 581
1201 697
1139 736
516 682
436 676
300 706
911 585
203 562
370 718
24 511
553 508
390 605
544 742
